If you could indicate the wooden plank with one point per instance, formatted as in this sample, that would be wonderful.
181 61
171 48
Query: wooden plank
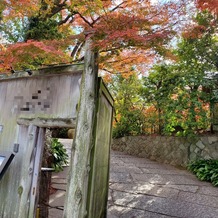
77 191
106 92
48 123
36 171
27 172
47 71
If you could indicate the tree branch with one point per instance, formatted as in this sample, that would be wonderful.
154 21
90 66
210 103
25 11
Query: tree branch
85 20
112 10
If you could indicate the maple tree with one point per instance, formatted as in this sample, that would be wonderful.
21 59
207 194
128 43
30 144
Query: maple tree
119 30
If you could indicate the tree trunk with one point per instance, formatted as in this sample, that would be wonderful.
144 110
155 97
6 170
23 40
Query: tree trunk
77 191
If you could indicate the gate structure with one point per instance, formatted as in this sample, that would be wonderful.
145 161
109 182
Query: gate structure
47 98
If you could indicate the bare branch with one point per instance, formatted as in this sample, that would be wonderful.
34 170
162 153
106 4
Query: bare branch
66 19
112 10
85 20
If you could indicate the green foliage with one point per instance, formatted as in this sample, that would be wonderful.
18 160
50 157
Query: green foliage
177 91
130 123
128 105
158 87
14 30
205 170
43 29
59 154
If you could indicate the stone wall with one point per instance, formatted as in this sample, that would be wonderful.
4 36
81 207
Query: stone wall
176 151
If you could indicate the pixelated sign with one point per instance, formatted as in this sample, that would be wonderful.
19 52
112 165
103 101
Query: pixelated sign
39 101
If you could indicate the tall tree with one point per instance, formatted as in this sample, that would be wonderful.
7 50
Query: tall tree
128 105
60 26
161 83
183 100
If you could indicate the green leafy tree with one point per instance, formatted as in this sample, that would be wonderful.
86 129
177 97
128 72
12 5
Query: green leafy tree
182 92
158 88
128 105
197 62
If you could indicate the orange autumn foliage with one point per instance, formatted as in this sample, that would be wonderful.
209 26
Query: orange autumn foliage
211 5
35 52
125 33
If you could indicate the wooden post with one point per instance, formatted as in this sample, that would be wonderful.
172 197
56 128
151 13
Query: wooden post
36 172
77 191
27 172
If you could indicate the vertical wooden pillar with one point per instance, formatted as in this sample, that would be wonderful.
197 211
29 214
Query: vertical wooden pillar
77 191
36 171
27 172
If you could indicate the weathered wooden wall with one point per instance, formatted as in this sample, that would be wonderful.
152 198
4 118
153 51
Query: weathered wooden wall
100 158
49 98
46 98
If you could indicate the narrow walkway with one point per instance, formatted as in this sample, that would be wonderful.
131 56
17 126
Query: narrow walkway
143 188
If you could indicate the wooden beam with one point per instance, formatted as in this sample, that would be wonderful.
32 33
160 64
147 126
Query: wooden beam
27 172
48 123
77 190
34 191
47 71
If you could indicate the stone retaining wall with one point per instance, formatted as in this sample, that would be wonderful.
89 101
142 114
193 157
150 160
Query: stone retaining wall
176 151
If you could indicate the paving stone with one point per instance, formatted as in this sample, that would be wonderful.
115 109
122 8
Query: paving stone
130 187
122 198
164 206
206 200
185 188
136 160
146 188
166 179
123 169
59 186
159 191
57 199
153 165
61 174
134 213
59 180
213 191
165 171
55 213
120 177
115 211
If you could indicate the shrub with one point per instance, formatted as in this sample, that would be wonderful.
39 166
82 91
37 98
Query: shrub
59 154
130 123
205 170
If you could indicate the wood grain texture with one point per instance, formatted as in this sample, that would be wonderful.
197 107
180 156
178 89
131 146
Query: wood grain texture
77 191
27 172
48 98
99 177
34 191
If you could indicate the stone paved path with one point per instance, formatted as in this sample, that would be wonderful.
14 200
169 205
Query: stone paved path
143 188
